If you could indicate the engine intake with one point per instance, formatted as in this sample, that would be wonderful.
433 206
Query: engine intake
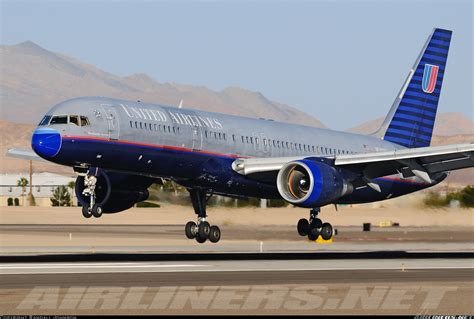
307 183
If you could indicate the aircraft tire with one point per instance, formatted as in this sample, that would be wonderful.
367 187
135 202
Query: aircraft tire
96 211
316 223
200 240
313 234
86 212
214 234
326 231
190 230
204 229
303 227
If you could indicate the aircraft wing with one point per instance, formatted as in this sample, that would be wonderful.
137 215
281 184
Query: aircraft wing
420 162
24 154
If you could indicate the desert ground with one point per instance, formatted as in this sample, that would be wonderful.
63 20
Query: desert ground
168 214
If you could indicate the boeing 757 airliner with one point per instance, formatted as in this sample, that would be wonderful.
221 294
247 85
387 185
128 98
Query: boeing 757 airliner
119 148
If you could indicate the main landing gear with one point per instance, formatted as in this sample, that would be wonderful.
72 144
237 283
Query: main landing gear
90 182
201 231
314 227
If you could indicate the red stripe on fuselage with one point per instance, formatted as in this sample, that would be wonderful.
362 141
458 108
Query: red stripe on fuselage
165 147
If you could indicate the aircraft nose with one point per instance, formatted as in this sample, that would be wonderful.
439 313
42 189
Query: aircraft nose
46 142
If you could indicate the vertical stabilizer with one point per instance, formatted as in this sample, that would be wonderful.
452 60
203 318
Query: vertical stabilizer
412 116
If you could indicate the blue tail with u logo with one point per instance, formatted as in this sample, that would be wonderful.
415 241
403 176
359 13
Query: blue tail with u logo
412 116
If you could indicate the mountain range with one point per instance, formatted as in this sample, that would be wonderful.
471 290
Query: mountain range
446 124
34 79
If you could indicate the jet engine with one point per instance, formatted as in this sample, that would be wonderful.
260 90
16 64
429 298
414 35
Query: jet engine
114 192
307 183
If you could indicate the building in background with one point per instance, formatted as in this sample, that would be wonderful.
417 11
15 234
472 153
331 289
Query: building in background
44 185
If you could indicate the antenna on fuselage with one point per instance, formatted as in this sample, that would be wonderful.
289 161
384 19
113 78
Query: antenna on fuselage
180 104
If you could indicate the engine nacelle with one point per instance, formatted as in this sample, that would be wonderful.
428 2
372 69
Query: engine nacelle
307 183
115 192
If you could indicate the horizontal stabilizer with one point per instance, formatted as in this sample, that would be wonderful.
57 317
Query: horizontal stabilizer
24 154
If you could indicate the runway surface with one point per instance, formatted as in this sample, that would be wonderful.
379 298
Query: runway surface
55 239
267 286
152 269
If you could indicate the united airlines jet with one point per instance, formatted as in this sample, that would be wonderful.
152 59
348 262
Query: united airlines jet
119 148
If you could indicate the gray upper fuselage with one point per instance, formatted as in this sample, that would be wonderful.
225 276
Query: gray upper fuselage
208 132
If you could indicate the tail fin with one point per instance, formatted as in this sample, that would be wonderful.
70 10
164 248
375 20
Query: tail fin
411 119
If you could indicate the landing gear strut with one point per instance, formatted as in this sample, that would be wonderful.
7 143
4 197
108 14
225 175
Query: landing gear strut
314 227
202 230
90 182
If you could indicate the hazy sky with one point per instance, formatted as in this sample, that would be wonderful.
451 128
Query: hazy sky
341 61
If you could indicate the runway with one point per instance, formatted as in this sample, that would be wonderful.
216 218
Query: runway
70 269
336 286
148 239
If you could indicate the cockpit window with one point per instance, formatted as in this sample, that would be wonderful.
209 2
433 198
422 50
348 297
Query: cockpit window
45 120
60 119
74 119
84 121
78 120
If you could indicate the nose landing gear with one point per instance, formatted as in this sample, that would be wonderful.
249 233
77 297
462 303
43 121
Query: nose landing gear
202 230
314 227
90 182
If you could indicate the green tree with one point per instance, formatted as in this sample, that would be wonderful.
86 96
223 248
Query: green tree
434 199
61 197
22 182
72 185
466 196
